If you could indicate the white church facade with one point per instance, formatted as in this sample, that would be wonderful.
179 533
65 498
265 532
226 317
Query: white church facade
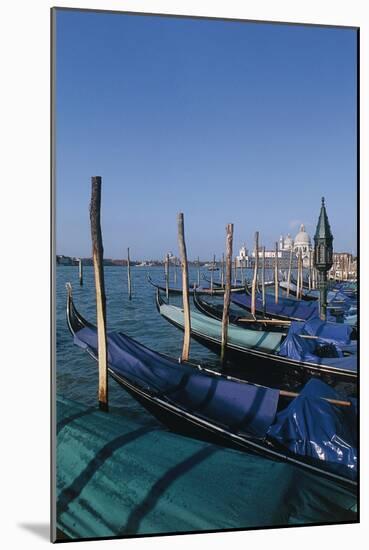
302 242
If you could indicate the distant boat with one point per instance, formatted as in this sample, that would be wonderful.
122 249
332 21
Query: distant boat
145 264
211 267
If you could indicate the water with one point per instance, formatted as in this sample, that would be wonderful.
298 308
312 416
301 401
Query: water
139 318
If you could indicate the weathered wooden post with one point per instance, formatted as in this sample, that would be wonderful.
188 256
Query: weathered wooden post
298 274
212 277
235 271
185 292
166 268
310 270
263 281
253 288
80 269
98 263
276 283
129 275
222 271
198 271
175 271
227 292
289 272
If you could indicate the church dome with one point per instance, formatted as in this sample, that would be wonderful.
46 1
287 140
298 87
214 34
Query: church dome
302 238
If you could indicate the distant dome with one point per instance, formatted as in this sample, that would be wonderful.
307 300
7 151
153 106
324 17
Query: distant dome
302 238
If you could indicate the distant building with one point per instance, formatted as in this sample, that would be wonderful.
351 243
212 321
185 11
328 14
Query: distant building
301 242
344 266
65 260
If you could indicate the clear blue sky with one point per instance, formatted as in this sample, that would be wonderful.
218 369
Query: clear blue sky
226 121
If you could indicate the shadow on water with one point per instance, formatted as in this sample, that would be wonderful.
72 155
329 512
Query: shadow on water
160 486
62 423
73 491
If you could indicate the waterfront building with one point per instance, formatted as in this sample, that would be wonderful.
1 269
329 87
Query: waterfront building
344 266
302 242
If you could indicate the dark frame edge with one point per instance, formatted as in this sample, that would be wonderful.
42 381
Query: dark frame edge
53 531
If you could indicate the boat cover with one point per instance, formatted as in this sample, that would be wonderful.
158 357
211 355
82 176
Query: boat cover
311 426
236 405
286 307
317 350
336 297
331 332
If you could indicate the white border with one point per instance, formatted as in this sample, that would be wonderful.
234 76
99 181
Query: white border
25 227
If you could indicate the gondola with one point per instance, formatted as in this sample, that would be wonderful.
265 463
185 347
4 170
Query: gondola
290 309
334 297
202 403
347 287
291 351
200 290
215 311
336 332
308 295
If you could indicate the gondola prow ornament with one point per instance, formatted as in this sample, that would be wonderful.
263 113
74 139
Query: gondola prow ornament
323 257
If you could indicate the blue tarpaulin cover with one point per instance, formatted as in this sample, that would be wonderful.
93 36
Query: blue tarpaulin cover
238 406
327 351
311 426
289 308
332 332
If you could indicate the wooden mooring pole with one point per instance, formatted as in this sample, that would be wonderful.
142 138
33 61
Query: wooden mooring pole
299 275
175 271
98 263
289 273
185 292
222 272
263 281
198 271
212 278
129 275
166 269
276 283
256 264
227 292
80 266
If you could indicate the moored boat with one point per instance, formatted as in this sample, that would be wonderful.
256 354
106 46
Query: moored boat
293 350
199 289
202 403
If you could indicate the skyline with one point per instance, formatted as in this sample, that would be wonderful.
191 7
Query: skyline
248 123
